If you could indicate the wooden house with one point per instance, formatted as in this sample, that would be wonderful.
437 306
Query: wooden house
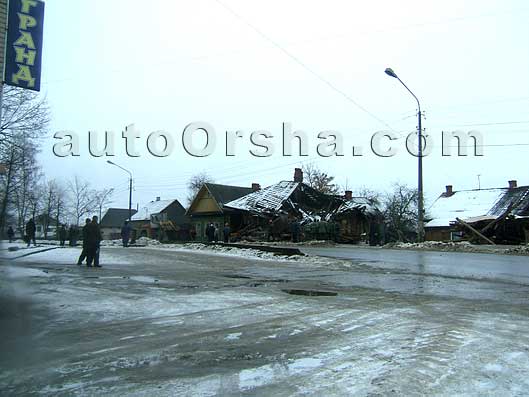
208 206
500 215
164 220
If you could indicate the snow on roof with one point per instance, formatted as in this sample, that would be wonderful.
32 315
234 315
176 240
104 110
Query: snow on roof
463 204
269 199
357 203
154 207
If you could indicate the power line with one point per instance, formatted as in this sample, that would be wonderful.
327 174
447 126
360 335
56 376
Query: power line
302 64
492 123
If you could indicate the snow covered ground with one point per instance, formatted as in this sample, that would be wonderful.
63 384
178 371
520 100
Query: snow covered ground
463 246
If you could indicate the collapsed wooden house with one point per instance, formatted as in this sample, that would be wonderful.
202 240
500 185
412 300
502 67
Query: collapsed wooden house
493 216
270 213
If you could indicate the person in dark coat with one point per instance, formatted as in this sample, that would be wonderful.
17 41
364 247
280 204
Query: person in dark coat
226 232
10 234
295 229
73 235
125 233
82 257
30 232
62 235
93 240
210 232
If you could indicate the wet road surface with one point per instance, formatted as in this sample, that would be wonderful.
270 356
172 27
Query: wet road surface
185 323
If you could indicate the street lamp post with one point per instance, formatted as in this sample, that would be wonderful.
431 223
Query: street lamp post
130 186
420 220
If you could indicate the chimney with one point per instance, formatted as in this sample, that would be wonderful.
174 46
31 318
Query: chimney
298 175
348 195
449 191
513 184
157 198
256 187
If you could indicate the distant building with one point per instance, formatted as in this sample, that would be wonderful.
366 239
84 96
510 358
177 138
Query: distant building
503 214
45 226
161 220
112 222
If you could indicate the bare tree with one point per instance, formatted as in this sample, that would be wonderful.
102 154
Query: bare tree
102 198
83 201
373 196
400 212
25 118
61 205
195 183
53 199
21 189
24 113
319 179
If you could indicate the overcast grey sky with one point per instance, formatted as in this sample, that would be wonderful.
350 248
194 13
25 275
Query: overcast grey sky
252 65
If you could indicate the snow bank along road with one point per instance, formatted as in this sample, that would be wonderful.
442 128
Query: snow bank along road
199 323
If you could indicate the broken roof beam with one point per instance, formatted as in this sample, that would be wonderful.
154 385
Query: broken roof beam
474 231
500 218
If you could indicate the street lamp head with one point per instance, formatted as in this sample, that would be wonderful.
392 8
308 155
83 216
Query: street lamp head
391 73
110 162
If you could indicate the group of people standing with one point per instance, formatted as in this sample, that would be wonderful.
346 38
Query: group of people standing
72 235
91 233
213 232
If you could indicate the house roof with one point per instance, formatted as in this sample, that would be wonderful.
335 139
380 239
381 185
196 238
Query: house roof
115 217
153 207
226 193
311 204
482 204
269 199
357 203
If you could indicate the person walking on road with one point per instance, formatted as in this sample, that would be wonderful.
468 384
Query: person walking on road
93 241
30 232
226 232
83 255
73 234
10 234
62 235
125 233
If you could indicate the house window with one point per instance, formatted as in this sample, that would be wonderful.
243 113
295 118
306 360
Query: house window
456 236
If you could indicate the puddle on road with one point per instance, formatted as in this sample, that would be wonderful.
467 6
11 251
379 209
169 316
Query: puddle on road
308 292
145 279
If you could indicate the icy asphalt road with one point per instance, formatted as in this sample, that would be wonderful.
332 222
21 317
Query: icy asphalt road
155 322
507 268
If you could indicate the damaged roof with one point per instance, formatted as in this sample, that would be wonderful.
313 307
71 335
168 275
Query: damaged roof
472 205
268 200
357 203
288 195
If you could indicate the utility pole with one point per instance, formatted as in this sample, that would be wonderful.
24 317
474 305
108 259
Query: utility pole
420 193
420 190
130 186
